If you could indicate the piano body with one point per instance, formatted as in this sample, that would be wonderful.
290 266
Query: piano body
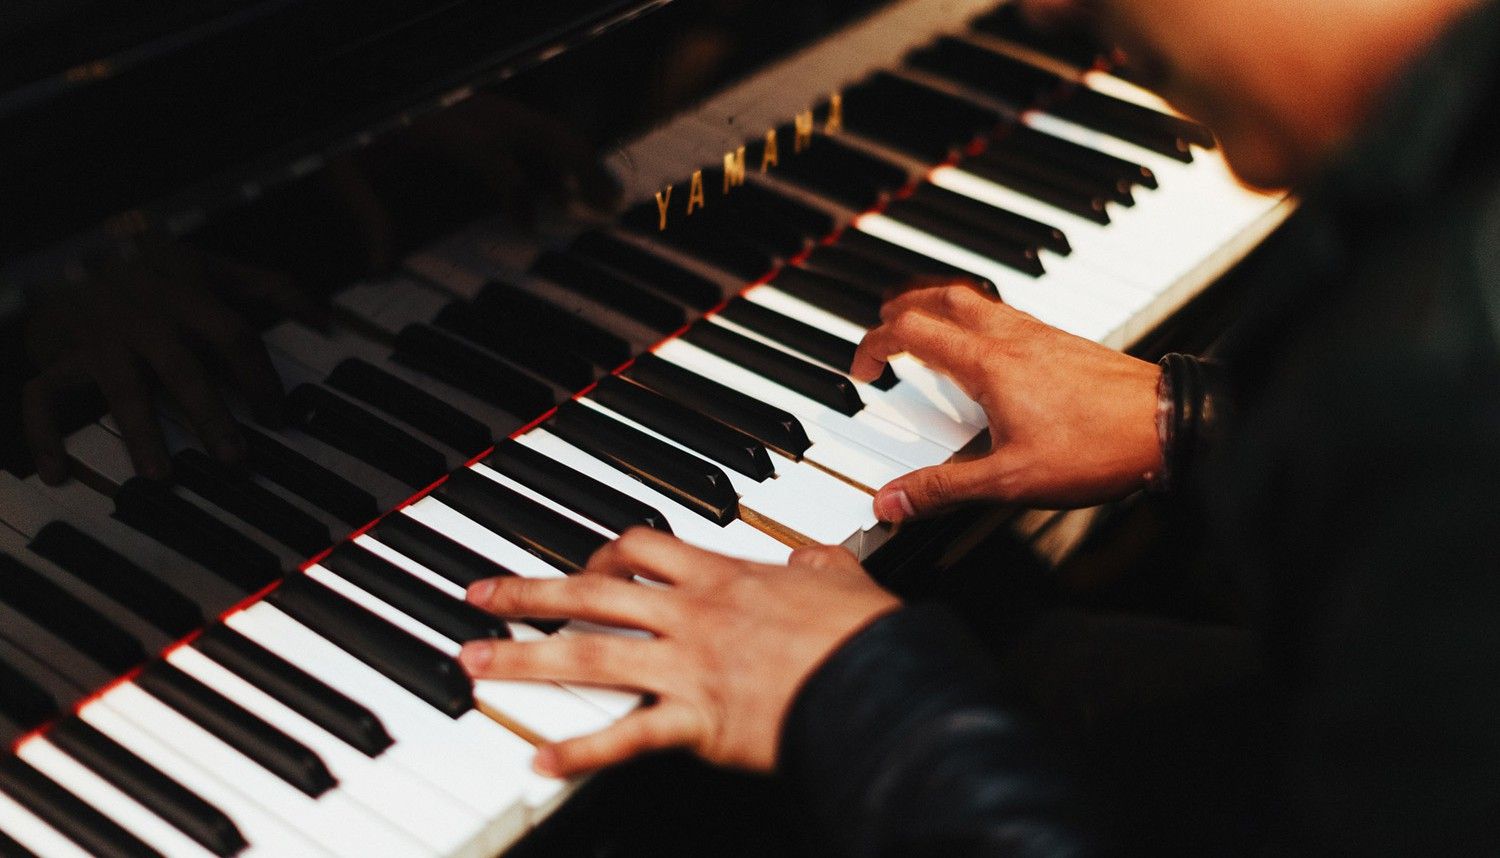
261 661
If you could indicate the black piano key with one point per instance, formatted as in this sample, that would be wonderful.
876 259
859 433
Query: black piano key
766 204
582 275
1004 78
914 117
67 617
816 343
238 728
455 620
997 248
424 671
756 224
345 426
1072 46
472 370
96 833
816 383
766 423
357 726
508 308
117 577
996 221
550 535
586 496
447 558
51 659
831 294
724 444
698 485
154 510
412 405
868 275
251 503
696 291
309 480
1148 119
1133 123
174 803
813 172
11 849
23 702
1089 207
702 240
1078 158
829 156
921 267
1060 176
542 358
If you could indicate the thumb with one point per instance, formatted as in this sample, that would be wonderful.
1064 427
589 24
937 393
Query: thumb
930 490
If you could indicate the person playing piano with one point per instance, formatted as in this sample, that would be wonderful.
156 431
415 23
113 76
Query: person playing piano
1342 447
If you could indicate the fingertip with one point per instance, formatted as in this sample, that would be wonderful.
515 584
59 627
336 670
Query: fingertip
893 505
51 468
480 592
475 656
547 762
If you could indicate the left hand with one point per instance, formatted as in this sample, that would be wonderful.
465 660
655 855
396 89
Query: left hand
733 642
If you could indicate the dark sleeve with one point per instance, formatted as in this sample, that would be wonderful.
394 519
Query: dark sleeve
902 744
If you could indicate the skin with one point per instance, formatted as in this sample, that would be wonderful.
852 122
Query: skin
1284 83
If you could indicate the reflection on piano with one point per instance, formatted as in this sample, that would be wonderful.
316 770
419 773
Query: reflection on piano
260 661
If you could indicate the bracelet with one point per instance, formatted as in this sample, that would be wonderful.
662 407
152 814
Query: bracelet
1186 418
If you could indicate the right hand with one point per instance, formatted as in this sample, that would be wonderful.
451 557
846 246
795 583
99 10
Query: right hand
1072 423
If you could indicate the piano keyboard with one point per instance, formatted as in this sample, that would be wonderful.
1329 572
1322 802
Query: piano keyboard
170 689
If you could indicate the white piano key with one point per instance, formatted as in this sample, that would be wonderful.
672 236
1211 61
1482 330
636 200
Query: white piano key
737 540
444 827
866 430
104 797
267 833
337 824
34 834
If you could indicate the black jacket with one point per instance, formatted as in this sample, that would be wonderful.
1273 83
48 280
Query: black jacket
1356 494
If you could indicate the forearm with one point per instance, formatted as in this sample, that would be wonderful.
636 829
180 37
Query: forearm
904 745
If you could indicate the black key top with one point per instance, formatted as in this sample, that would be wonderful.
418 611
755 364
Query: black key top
765 204
67 617
154 510
765 423
814 171
756 224
447 558
725 445
597 283
563 368
923 121
921 267
1059 176
251 503
1086 206
1147 128
997 221
11 849
698 485
118 578
1020 257
1004 78
553 537
425 672
412 405
816 343
451 360
455 620
816 383
871 276
1079 159
1073 47
697 292
357 726
585 495
508 308
50 659
25 704
309 480
238 728
96 833
341 424
702 240
174 803
827 293
830 157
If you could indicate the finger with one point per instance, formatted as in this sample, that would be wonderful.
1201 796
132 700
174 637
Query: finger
658 556
589 659
658 728
237 345
959 304
931 490
938 344
128 394
188 382
823 557
595 598
39 418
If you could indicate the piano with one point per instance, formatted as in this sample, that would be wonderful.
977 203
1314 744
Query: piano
259 661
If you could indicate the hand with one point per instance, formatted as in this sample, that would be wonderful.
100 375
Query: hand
160 319
733 642
1072 423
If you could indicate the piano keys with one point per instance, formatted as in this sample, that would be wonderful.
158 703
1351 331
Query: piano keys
268 665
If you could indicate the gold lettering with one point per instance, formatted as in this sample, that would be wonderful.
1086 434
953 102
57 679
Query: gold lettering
835 121
695 192
663 199
803 123
734 169
769 157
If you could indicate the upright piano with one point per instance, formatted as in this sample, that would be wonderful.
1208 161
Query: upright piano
588 265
